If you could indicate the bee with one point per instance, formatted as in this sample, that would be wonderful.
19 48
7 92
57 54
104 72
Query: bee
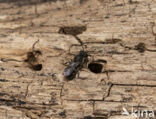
75 65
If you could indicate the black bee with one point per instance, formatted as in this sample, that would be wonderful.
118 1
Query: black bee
72 69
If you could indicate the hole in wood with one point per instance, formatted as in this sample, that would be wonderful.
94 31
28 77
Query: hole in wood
32 60
72 30
95 67
37 67
102 61
33 56
113 40
140 47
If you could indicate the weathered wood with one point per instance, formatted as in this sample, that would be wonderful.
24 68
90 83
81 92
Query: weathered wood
121 34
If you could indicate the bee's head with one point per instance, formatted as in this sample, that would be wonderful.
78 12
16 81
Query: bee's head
83 53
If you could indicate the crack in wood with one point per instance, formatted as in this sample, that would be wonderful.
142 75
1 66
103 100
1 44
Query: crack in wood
139 47
61 94
4 80
141 85
108 91
27 89
154 34
111 71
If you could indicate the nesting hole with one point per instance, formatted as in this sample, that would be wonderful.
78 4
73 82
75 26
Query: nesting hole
95 67
33 56
32 60
37 67
113 40
72 30
140 47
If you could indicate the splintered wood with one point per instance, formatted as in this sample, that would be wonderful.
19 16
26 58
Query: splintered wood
38 38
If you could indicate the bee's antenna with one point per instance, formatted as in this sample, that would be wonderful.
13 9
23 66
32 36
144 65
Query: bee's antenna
81 43
78 39
84 46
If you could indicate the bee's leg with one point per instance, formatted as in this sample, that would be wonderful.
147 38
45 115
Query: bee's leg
89 60
78 76
66 63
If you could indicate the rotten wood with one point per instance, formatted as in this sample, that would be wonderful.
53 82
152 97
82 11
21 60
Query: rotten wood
37 37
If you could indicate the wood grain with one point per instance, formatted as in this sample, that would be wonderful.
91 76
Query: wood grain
114 30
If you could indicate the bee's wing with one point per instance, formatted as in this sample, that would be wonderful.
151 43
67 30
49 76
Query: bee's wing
71 69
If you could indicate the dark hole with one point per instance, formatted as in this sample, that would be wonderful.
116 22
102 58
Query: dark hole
72 30
2 94
95 67
4 80
32 56
8 103
20 102
102 61
113 40
63 114
87 117
140 47
37 67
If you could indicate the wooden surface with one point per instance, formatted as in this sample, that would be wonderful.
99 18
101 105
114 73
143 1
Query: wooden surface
114 28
